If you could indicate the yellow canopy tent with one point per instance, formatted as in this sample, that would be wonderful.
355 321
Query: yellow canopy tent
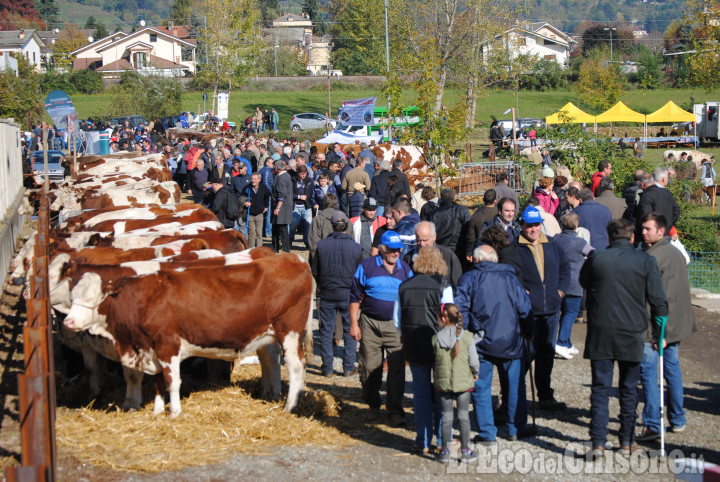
670 112
570 113
620 113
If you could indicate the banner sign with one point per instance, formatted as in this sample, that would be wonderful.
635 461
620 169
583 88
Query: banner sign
59 106
358 112
223 104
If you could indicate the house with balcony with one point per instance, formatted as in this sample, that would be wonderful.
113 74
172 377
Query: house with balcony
540 40
148 51
22 42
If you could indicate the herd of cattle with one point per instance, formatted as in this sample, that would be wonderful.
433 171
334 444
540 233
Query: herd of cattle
138 278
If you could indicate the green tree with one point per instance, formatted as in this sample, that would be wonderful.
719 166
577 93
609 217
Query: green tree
598 84
269 11
596 36
649 75
232 39
358 32
181 11
152 97
310 7
48 11
290 62
21 95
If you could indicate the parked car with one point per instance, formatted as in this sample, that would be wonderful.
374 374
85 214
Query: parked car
309 120
56 170
135 120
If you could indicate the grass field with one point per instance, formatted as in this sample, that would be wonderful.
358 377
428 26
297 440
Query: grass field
494 102
79 14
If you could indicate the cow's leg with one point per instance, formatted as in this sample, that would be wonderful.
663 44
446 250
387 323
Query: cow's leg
160 391
296 369
269 356
133 390
171 372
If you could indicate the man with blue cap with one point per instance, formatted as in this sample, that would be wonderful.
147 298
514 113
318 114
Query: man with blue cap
545 275
372 299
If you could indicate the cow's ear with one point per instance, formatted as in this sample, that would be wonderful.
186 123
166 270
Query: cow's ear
115 286
65 270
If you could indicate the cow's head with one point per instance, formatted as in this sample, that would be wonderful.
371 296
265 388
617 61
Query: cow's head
59 282
86 297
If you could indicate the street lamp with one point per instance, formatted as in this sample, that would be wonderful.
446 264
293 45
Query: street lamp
610 29
275 51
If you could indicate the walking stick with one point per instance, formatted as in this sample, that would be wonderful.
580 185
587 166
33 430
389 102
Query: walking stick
532 379
662 321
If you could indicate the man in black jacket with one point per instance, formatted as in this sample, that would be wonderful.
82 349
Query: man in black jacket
258 198
302 204
334 266
620 283
379 187
451 221
224 204
657 198
402 178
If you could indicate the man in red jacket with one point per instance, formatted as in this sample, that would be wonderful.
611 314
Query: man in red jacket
604 169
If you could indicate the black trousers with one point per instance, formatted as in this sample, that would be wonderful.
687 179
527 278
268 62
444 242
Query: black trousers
281 237
602 374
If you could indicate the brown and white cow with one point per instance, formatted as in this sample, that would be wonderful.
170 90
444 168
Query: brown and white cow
140 193
225 316
90 219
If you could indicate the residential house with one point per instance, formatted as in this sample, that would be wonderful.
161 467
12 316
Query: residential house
24 42
291 28
540 40
317 51
148 51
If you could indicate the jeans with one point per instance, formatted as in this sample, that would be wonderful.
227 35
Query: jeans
301 216
327 310
447 402
649 378
426 405
602 374
268 223
512 379
570 308
378 337
543 348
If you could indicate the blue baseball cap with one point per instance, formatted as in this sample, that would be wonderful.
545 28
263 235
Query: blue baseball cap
531 215
392 240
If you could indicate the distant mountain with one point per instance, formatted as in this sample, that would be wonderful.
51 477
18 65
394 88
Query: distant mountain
114 14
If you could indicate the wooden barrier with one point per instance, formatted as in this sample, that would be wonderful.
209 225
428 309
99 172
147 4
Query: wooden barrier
36 387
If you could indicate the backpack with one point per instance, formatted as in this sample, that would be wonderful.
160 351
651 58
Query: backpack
231 209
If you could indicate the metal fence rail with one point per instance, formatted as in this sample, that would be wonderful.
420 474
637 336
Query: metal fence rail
704 270
478 177
36 387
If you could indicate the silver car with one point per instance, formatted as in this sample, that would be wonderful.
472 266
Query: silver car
309 120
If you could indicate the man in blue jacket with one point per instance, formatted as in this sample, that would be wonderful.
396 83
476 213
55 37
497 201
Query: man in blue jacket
546 275
334 268
594 217
496 308
406 221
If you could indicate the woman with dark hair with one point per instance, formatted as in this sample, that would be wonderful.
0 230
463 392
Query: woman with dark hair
394 187
431 203
559 187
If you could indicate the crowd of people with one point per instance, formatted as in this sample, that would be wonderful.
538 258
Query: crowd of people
459 295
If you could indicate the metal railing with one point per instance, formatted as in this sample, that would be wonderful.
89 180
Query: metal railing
478 177
704 270
36 387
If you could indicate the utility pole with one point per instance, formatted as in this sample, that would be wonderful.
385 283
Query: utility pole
387 64
610 29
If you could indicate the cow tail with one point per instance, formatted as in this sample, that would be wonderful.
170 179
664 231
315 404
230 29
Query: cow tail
308 340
